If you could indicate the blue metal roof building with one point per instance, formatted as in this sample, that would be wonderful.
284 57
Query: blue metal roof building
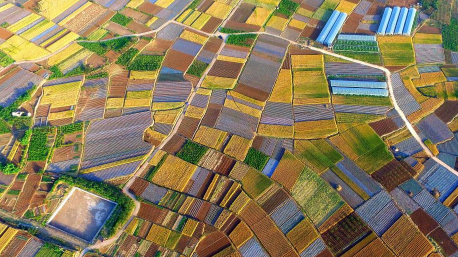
384 22
354 37
329 24
409 21
359 91
335 29
355 84
393 20
401 21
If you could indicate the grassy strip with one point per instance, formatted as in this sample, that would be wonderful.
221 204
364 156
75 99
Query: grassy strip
122 210
38 149
5 59
287 7
450 35
101 48
241 40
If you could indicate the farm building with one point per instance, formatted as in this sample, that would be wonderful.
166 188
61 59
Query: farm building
369 88
397 21
332 27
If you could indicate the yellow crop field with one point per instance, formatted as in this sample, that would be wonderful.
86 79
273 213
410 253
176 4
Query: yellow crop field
304 12
166 105
6 7
310 87
204 91
210 137
138 94
283 89
302 235
61 115
278 131
79 57
190 227
237 147
151 21
245 98
219 10
168 116
174 173
61 56
164 3
346 7
201 21
134 4
113 103
37 29
423 38
429 79
214 82
277 22
314 129
313 62
64 41
195 112
51 8
137 103
193 37
258 17
268 4
22 50
396 50
6 238
158 235
61 95
54 38
242 108
111 165
297 24
230 59
240 234
184 15
130 229
75 13
23 22
143 74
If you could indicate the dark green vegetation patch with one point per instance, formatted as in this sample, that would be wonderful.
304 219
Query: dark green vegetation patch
146 63
38 147
197 68
5 59
121 19
256 159
241 40
450 35
102 48
127 57
192 152
287 7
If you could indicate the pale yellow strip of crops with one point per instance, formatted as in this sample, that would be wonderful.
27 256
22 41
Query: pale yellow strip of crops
37 29
53 38
241 234
158 235
277 22
246 98
111 165
193 37
77 57
138 94
184 15
75 13
190 227
258 17
214 82
297 24
164 3
166 105
61 95
52 8
61 115
23 22
346 7
210 137
283 89
314 129
307 61
191 18
61 56
201 21
21 49
204 91
167 116
64 41
115 103
242 108
137 103
134 4
305 12
6 7
219 10
132 226
143 74
230 59
151 21
276 131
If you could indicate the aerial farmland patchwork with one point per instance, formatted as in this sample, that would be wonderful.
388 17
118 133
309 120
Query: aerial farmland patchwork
312 128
